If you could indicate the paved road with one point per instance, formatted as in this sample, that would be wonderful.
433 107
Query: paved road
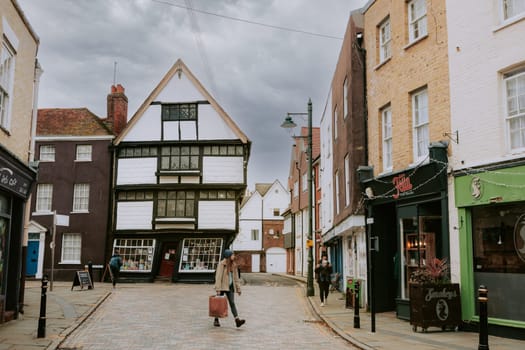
175 316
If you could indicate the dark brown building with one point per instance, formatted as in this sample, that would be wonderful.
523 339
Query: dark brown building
73 187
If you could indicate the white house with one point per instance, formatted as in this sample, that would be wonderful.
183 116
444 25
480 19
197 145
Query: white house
180 175
487 187
259 244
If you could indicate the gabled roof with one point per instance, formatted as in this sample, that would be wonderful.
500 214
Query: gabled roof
263 188
180 66
69 122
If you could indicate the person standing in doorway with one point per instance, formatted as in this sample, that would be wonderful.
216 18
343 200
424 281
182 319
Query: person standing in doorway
115 263
227 283
323 271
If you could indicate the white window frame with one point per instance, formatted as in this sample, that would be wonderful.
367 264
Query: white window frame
386 123
512 8
7 70
420 124
83 153
347 180
417 21
137 253
515 110
254 234
47 153
81 198
385 40
345 98
44 198
200 254
336 119
71 248
337 193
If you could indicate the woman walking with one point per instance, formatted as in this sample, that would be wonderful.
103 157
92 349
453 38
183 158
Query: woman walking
227 282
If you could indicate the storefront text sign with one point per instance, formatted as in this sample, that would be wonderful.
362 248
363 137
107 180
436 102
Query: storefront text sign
13 181
402 184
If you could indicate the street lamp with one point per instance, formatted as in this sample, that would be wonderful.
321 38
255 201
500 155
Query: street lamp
288 123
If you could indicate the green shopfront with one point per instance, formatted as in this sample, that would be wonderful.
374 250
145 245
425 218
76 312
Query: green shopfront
491 224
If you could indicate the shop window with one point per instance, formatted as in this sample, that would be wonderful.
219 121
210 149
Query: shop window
419 237
137 254
71 248
200 254
498 240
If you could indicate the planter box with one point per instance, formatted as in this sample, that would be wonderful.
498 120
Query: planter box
435 305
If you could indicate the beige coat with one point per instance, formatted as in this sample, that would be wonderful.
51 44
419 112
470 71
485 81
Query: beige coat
222 280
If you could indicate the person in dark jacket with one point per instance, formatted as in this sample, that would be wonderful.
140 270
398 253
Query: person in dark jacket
323 271
115 263
227 282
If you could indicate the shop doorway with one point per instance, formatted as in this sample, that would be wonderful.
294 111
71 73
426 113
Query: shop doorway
168 259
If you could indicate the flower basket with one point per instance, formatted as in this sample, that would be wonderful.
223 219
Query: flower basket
434 301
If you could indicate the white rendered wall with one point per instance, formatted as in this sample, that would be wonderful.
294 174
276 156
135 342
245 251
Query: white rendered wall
136 171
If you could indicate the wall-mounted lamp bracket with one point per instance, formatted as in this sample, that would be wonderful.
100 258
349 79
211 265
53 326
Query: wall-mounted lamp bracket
453 136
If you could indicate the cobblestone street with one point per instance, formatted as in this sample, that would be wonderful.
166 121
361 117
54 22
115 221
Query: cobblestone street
175 316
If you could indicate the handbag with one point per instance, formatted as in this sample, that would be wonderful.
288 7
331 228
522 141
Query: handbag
218 306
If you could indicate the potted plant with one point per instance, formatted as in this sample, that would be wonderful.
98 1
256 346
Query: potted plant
434 301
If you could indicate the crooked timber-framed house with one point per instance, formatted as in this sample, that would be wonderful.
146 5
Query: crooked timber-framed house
180 170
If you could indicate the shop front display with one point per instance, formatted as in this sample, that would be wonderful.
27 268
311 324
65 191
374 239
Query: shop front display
409 215
491 218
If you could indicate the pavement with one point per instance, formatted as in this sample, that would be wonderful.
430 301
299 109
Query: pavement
392 333
67 309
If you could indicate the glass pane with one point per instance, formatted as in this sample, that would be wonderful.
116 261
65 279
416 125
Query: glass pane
170 208
180 208
161 208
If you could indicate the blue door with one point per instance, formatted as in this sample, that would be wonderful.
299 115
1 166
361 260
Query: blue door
32 257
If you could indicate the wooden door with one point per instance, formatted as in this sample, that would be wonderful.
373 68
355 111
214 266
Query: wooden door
168 259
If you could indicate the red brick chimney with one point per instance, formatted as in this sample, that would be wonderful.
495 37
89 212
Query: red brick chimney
117 109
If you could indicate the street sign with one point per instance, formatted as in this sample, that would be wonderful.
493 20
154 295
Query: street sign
62 220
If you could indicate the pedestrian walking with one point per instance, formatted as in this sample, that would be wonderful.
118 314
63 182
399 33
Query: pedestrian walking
227 283
324 271
115 263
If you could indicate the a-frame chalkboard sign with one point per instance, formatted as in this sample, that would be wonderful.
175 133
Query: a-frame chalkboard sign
82 279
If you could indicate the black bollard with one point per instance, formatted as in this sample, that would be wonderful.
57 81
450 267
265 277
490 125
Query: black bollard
90 270
356 306
483 318
41 333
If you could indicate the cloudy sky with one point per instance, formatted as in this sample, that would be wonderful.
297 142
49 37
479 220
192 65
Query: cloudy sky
258 58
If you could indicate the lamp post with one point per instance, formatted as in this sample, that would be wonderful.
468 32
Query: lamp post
288 123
